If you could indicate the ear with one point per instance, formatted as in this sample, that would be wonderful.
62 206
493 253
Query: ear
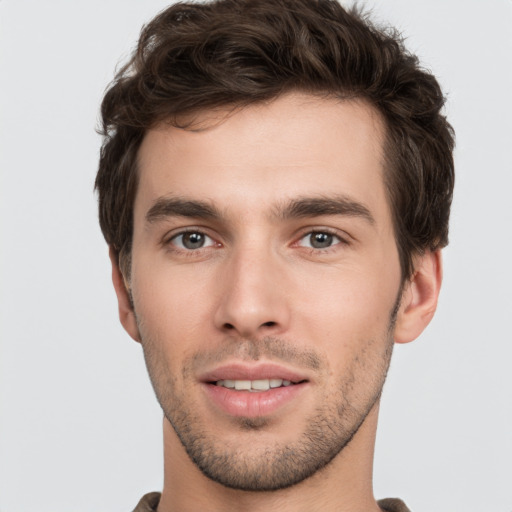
126 312
419 298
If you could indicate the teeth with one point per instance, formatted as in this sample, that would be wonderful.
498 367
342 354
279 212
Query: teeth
276 383
253 385
242 384
260 385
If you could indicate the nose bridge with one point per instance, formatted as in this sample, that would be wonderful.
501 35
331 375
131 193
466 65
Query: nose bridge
252 298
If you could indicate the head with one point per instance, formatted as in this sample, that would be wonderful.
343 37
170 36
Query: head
275 175
228 54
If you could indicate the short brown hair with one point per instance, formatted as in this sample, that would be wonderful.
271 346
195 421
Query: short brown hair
198 56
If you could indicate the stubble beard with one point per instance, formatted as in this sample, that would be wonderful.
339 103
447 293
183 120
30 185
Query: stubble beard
276 466
279 465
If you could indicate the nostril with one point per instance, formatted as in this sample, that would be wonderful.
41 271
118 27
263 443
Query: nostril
232 327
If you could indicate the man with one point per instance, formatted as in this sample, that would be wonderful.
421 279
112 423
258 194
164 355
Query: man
274 185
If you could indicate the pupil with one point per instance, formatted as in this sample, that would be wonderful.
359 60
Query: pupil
321 240
193 240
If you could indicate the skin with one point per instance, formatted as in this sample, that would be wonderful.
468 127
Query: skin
260 289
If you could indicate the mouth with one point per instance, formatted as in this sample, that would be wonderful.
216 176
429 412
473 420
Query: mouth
255 386
243 390
253 377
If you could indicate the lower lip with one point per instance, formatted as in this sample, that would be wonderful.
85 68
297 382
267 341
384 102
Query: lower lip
252 405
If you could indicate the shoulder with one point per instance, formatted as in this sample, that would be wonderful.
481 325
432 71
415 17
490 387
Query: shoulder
148 502
393 505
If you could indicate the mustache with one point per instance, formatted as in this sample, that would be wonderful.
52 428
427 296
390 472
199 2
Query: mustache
246 349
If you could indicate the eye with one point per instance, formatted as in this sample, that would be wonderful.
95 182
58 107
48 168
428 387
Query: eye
319 240
192 240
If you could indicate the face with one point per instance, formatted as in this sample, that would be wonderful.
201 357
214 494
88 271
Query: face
265 280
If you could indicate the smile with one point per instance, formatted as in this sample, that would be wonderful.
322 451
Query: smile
241 389
258 385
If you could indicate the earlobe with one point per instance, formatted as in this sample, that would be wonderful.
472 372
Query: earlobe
419 298
125 306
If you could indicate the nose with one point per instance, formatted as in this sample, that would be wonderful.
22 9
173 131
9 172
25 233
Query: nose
253 295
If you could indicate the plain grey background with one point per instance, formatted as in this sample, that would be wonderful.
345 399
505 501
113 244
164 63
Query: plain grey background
80 429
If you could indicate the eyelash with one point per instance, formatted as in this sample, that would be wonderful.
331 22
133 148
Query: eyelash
169 241
323 231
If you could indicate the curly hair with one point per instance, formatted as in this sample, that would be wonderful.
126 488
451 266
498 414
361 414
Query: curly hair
195 57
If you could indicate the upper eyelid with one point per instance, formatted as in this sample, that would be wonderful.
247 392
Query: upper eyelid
182 233
342 235
341 241
169 244
215 231
299 234
173 233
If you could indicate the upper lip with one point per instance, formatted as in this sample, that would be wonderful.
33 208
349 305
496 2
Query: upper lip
259 371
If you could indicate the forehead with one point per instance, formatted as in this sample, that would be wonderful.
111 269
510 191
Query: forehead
254 158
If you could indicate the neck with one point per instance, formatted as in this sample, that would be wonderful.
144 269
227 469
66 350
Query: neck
345 484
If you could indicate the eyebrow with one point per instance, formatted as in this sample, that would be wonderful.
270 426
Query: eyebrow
320 206
178 207
165 207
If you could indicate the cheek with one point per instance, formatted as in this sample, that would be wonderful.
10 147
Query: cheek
354 293
343 310
172 305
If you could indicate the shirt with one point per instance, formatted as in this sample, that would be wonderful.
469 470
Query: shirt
149 502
